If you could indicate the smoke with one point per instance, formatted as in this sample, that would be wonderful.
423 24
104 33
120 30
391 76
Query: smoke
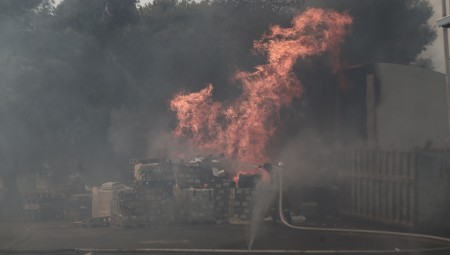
135 136
307 158
80 83
250 122
385 31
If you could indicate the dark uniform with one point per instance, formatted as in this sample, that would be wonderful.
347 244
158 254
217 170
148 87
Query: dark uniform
273 210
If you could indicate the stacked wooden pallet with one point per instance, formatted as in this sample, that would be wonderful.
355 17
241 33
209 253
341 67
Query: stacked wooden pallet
142 206
125 211
79 207
43 206
243 204
190 176
198 205
153 171
157 202
224 192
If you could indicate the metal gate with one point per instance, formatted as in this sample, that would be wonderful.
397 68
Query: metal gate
379 185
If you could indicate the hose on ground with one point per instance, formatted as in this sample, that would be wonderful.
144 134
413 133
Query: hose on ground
360 231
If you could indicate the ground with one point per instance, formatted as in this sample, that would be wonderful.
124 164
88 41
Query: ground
54 235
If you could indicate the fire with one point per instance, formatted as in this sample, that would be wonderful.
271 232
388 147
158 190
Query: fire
243 128
255 171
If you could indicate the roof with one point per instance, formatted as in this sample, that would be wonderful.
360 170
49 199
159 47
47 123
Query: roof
110 185
444 22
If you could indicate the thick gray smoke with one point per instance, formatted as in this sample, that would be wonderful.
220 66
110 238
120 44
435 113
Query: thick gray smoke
89 82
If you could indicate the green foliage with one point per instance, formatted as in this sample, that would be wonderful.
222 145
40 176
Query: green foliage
80 79
98 18
12 8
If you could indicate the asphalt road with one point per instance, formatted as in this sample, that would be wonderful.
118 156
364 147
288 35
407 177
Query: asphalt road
55 235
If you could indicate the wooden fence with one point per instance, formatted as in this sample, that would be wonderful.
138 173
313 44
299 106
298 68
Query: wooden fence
379 185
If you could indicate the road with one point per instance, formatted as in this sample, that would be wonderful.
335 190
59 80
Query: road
62 235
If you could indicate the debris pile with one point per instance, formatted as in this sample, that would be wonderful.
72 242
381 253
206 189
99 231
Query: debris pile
191 174
160 192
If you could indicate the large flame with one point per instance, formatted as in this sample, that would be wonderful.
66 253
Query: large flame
243 128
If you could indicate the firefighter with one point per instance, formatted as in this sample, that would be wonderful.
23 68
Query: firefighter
274 174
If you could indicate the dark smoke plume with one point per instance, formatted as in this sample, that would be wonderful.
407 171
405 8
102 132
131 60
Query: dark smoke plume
90 81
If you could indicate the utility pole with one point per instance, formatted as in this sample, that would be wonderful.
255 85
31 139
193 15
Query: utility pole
444 26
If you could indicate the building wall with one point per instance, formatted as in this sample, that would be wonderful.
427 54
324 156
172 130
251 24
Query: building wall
409 109
411 106
433 186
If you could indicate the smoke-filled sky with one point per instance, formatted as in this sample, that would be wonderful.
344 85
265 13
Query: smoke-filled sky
94 84
435 51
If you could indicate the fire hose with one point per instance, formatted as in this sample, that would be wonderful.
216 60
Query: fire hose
359 231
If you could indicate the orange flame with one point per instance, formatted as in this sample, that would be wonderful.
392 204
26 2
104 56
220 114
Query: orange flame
244 128
255 171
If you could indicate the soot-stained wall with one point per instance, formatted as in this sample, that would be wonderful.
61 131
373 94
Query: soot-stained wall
410 107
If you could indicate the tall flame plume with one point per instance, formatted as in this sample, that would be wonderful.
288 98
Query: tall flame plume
243 128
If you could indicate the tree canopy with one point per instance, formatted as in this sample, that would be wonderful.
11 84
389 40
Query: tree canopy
90 80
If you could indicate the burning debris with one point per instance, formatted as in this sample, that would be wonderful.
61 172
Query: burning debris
161 192
244 127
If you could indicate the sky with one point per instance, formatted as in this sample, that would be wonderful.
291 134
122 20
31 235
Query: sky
434 51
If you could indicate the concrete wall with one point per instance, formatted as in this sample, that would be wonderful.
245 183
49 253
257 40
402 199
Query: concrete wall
411 106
